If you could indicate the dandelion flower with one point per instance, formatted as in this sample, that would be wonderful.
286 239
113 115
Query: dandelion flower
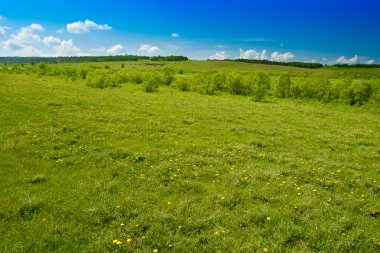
129 240
114 241
118 242
155 250
268 218
122 225
266 250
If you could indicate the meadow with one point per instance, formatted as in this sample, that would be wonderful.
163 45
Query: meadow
195 156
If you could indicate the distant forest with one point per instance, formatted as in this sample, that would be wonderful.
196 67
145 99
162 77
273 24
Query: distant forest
309 65
70 59
291 64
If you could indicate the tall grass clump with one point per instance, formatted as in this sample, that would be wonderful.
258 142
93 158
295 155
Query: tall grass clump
102 79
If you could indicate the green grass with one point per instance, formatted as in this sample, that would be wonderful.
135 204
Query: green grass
183 172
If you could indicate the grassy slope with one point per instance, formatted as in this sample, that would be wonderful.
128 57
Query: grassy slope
198 66
184 172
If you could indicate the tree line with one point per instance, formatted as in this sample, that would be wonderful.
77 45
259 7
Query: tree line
309 65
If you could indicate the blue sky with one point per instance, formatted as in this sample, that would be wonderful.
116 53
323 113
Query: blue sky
326 31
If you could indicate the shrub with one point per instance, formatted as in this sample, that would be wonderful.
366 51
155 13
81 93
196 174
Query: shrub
260 86
235 85
183 83
219 80
282 89
135 77
101 79
151 85
358 93
205 84
167 76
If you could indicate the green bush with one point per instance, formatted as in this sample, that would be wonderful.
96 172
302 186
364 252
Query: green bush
235 84
204 84
358 93
260 86
135 77
183 83
167 76
101 79
282 89
151 85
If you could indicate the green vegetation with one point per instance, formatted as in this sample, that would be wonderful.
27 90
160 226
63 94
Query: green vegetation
334 85
136 158
309 65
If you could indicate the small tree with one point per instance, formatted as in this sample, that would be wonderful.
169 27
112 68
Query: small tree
283 86
260 86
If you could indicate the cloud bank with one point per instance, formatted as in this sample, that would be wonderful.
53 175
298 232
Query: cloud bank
85 27
149 48
219 56
252 54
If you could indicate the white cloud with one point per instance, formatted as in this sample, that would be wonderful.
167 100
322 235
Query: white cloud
66 48
219 56
343 60
149 49
117 49
370 62
175 35
3 30
27 34
49 41
19 42
276 56
37 27
86 26
60 31
253 54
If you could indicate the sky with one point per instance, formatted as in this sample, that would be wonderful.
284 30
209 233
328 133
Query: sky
325 31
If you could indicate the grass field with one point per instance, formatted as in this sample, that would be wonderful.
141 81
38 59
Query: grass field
122 170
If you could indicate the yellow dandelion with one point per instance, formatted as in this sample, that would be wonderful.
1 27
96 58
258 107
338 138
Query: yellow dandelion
118 242
155 250
129 240
179 227
122 225
115 241
314 190
268 218
266 250
216 233
169 203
